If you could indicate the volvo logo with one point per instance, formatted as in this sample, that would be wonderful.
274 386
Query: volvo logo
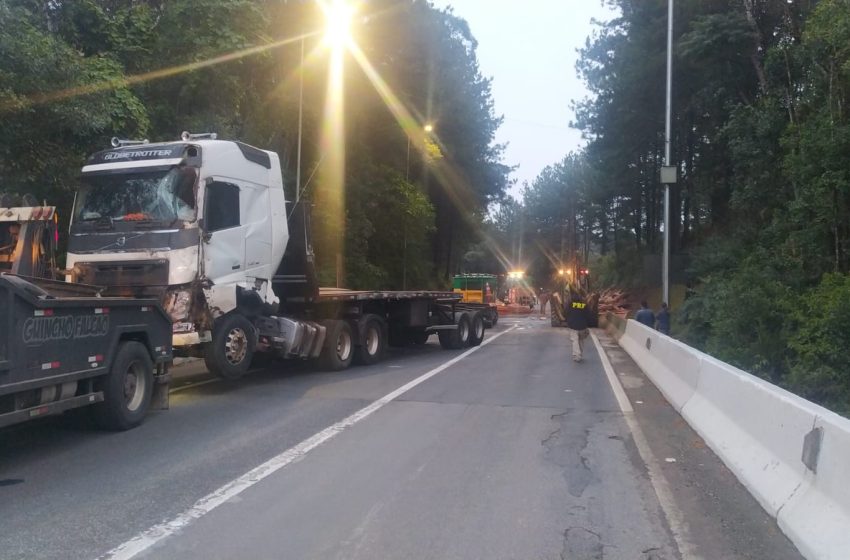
121 241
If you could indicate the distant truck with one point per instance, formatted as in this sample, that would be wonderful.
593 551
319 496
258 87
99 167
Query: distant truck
479 288
202 225
64 347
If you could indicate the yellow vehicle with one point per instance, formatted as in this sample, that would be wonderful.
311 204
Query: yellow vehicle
475 288
478 288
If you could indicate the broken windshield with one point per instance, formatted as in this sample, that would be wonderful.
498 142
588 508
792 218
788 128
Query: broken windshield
138 197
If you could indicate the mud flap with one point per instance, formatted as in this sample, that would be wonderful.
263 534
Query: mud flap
162 383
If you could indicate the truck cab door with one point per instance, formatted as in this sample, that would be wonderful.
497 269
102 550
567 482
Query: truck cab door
224 233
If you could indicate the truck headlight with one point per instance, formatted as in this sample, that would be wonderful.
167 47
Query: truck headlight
177 304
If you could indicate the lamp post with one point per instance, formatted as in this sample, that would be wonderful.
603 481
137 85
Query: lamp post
668 171
300 123
428 128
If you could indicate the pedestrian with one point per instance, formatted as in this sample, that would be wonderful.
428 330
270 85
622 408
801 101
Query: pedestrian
645 315
577 322
544 298
662 320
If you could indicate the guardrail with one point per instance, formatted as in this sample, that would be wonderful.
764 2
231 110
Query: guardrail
791 454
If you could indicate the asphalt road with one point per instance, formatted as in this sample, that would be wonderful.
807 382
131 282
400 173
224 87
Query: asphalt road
509 451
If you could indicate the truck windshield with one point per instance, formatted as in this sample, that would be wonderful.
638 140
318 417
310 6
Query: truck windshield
150 197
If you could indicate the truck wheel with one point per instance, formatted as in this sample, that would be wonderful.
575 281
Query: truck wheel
456 338
230 353
338 350
476 333
127 389
373 341
420 337
494 317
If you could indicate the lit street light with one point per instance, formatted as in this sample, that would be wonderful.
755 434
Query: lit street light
337 36
428 128
338 16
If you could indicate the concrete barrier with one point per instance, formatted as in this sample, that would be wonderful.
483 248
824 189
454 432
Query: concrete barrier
671 365
751 425
817 517
792 455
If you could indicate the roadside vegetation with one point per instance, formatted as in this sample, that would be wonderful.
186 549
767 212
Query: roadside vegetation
761 212
74 74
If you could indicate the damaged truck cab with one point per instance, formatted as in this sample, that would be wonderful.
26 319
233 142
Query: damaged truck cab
194 222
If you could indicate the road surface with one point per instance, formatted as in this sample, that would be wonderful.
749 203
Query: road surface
507 451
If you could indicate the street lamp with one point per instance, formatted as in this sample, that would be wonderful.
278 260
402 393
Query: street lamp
338 16
668 172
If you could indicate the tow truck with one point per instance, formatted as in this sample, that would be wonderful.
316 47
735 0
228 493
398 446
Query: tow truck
65 346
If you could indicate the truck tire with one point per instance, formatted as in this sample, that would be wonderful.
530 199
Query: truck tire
456 338
494 317
373 340
127 389
477 329
338 349
231 350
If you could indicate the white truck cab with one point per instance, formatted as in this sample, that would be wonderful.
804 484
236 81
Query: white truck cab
198 218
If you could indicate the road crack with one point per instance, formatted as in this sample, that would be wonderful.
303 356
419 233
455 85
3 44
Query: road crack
581 542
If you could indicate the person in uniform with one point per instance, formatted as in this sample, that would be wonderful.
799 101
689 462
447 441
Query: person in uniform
577 322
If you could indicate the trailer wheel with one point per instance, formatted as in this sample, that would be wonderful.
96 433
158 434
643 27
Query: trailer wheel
127 389
338 349
230 353
456 338
494 317
476 333
373 340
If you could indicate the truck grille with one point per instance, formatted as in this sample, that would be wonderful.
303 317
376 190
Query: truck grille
123 274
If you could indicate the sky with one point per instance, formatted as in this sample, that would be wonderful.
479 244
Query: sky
529 49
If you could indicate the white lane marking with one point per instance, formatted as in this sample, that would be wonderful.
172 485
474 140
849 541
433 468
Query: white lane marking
675 519
190 385
157 533
619 393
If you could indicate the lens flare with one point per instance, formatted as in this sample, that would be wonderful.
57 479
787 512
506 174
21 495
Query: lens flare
338 16
330 193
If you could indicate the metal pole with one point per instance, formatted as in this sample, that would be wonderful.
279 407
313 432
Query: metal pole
404 252
667 136
300 122
407 169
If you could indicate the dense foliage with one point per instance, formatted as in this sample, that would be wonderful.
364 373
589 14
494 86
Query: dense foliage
74 74
762 207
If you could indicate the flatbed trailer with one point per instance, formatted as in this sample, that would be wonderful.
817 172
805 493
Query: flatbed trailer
63 346
340 327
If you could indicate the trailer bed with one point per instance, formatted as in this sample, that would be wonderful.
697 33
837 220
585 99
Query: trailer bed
341 294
